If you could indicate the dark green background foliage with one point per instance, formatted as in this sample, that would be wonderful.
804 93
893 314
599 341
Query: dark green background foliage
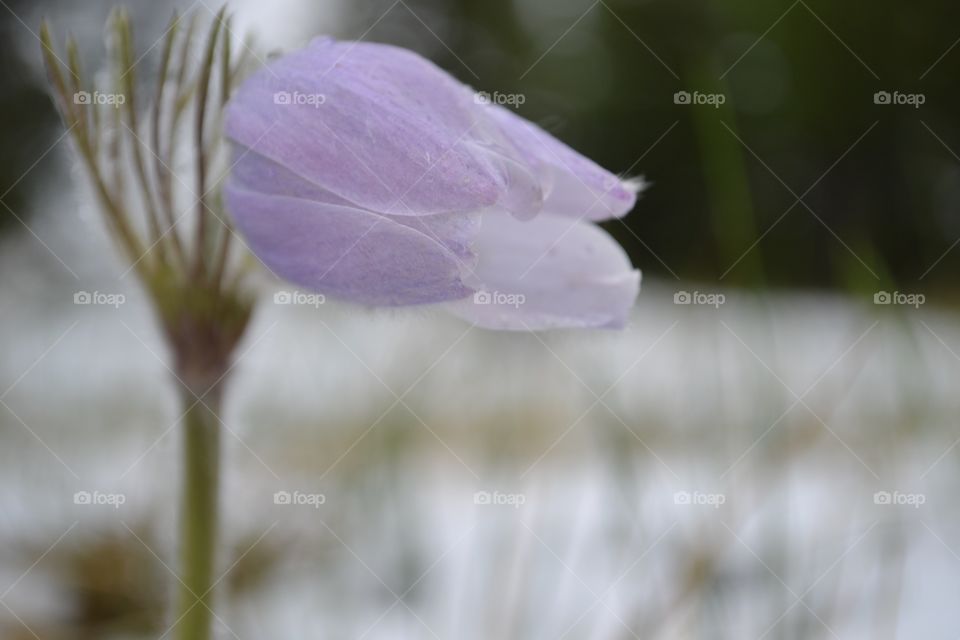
799 78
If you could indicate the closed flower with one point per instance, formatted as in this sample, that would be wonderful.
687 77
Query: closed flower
366 173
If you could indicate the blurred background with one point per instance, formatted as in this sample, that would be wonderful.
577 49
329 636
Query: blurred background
768 451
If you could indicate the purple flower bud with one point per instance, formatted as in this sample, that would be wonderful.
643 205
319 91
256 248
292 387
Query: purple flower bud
365 172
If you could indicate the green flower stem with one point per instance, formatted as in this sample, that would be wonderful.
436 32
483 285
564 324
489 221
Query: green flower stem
199 516
200 306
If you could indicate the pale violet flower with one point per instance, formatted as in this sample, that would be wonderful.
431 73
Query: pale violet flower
366 173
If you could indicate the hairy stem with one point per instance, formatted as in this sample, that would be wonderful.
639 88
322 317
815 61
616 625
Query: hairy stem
203 89
127 84
161 168
198 524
